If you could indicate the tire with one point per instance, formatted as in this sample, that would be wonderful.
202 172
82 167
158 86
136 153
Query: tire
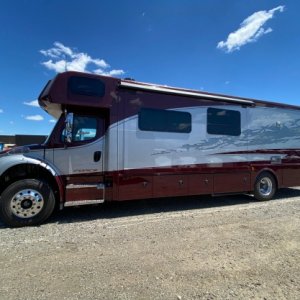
26 202
265 187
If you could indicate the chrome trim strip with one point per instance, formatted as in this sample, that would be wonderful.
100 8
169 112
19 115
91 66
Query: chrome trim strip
83 202
85 186
171 90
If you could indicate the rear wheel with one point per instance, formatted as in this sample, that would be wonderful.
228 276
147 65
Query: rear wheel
26 202
265 187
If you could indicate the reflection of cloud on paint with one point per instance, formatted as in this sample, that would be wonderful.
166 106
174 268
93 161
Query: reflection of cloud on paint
265 118
163 161
136 102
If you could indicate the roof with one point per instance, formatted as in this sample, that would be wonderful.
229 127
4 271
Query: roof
131 84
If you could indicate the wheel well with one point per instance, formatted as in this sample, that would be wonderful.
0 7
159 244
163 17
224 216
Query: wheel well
24 171
270 172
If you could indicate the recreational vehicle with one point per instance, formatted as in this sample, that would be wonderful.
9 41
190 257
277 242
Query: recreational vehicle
118 140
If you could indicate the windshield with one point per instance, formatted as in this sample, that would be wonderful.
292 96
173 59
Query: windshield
54 129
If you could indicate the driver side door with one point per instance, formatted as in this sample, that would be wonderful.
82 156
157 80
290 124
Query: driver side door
81 160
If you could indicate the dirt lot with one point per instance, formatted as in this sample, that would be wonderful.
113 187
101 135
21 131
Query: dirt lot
195 248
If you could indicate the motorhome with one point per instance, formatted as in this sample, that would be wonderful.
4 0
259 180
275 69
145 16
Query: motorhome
118 140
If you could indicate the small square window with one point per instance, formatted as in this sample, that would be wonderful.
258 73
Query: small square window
223 122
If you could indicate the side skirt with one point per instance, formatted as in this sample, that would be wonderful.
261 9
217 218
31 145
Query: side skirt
83 194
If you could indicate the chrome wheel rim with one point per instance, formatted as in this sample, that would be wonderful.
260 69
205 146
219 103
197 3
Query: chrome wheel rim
27 203
265 186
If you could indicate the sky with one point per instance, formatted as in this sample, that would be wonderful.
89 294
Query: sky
234 47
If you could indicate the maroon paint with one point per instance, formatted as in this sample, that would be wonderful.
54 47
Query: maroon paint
84 194
199 184
291 176
134 187
61 188
198 179
232 182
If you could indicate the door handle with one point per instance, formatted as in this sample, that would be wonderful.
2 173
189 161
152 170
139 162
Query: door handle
97 156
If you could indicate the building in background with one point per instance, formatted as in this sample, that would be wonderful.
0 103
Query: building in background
20 140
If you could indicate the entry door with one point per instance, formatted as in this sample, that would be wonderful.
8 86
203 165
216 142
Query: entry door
81 161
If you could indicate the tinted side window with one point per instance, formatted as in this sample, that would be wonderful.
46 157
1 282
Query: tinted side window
164 120
223 121
85 129
86 86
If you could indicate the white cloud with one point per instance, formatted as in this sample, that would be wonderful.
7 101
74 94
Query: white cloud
116 72
35 118
100 63
52 121
57 51
110 73
34 103
1 111
59 66
62 58
251 29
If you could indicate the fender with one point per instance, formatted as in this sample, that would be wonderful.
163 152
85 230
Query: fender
277 175
8 161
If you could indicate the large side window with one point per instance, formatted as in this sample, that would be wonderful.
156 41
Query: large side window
150 119
223 121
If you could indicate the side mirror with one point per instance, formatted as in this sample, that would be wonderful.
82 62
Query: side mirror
69 127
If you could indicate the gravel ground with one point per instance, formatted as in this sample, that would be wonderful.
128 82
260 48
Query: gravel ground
183 248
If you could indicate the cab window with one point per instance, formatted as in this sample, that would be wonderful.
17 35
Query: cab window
85 129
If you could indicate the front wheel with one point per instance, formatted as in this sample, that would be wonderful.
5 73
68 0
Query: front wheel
265 187
26 202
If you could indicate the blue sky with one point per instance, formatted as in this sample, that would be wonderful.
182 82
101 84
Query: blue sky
238 47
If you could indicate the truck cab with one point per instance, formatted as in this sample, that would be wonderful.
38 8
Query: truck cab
69 168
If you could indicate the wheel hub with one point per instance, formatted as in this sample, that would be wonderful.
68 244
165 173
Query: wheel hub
265 186
27 203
